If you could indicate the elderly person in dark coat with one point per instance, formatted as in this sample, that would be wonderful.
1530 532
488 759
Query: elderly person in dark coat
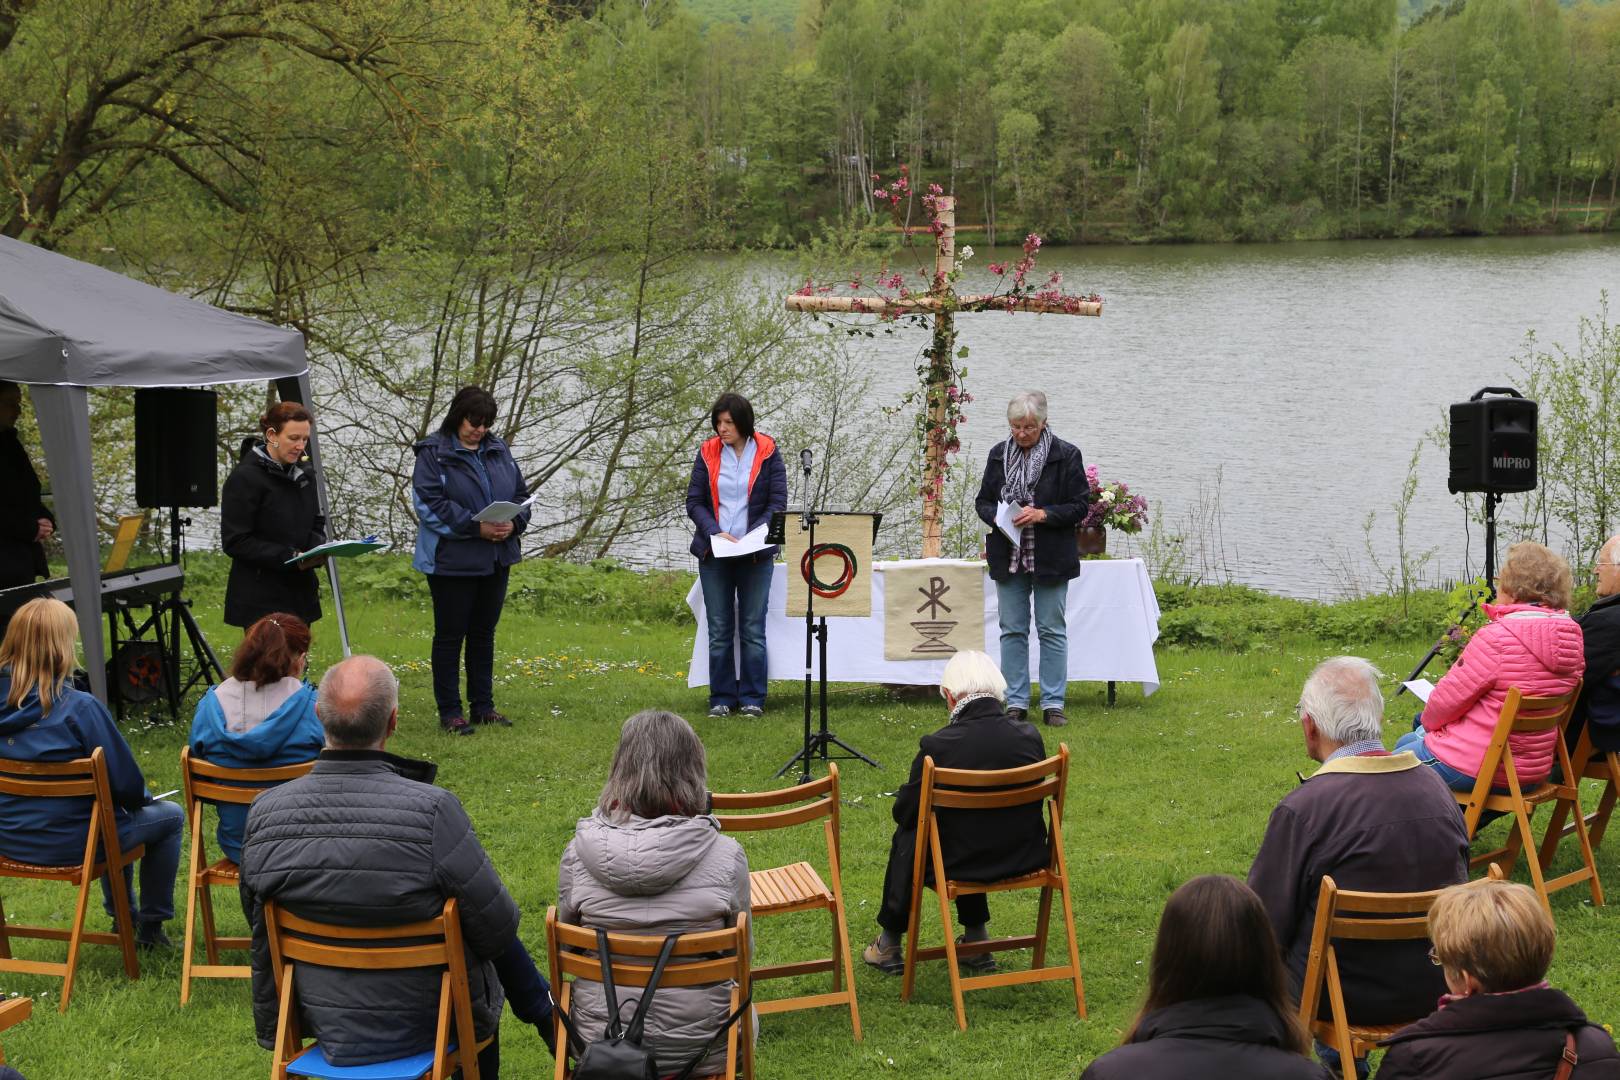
1374 821
365 839
1046 479
1494 942
1599 704
24 521
980 845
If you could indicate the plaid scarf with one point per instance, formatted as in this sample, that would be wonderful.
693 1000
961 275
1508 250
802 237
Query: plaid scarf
1021 468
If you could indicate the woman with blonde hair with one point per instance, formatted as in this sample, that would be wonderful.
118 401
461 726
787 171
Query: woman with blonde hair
42 718
1528 642
1494 941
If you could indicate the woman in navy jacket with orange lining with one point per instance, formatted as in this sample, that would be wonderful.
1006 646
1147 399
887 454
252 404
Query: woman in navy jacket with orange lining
738 481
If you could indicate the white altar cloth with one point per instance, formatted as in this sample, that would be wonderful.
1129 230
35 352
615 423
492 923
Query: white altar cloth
1113 620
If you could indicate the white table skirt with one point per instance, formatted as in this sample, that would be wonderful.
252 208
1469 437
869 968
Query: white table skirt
1113 620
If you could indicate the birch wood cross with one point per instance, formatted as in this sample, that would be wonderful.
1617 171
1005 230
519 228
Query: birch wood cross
942 302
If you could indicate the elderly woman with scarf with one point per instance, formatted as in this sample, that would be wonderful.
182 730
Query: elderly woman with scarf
269 514
1045 478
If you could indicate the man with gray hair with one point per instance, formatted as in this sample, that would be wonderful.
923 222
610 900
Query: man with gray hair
1599 703
1373 821
365 839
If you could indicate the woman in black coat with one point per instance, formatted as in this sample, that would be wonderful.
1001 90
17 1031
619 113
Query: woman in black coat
269 513
1217 1001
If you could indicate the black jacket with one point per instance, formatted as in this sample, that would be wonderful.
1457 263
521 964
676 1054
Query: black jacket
22 558
1236 1036
981 845
268 514
1600 694
1501 1036
358 841
1062 491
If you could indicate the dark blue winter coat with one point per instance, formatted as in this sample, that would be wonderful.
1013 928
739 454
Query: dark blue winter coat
703 491
52 831
449 486
287 736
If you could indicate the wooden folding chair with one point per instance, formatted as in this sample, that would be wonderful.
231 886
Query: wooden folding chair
1356 916
14 1011
1522 715
205 782
1590 763
81 778
798 887
434 942
701 959
964 789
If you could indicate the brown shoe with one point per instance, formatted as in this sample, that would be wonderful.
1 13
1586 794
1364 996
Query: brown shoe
1055 718
456 725
1015 713
886 958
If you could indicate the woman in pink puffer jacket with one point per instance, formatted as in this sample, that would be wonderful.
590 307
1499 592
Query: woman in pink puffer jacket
1528 641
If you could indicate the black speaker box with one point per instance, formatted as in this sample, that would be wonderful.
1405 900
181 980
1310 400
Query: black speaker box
175 448
1493 445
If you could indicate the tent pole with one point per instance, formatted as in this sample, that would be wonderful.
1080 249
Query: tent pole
63 414
297 389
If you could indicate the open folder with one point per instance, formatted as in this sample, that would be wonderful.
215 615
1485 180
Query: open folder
340 549
499 511
746 544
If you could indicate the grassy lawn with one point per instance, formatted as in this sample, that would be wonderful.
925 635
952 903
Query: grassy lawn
1161 789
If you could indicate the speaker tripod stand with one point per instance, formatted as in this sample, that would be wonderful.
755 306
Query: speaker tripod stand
1491 499
170 616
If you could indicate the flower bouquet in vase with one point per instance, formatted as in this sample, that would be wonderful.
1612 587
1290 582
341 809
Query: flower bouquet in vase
1112 507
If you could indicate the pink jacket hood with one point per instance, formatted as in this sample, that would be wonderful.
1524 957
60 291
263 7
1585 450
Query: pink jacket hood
1540 651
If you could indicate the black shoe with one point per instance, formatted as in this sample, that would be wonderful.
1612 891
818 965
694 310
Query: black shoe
977 963
456 725
1015 713
492 717
150 936
1055 718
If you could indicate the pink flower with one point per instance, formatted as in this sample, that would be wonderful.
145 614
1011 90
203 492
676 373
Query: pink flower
998 268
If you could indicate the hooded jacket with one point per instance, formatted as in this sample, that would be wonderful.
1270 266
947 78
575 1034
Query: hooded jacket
52 831
767 491
1537 649
1514 1036
448 486
236 727
268 513
655 876
1234 1036
365 839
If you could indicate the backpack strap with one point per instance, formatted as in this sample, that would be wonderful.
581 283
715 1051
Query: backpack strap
747 1003
638 1021
1568 1059
604 957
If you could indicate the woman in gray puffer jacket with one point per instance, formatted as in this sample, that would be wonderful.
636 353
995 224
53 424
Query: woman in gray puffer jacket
652 861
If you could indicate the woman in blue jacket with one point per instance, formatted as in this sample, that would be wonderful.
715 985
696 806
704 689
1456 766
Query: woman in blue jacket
260 717
42 718
460 470
738 481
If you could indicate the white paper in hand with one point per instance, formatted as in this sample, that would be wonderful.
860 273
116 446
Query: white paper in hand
1005 512
1420 688
744 545
498 511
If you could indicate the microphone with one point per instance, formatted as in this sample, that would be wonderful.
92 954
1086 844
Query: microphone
805 458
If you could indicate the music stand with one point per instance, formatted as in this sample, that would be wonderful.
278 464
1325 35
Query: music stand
816 742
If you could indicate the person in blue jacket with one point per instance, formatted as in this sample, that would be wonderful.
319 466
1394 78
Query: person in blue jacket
260 717
738 480
460 470
42 718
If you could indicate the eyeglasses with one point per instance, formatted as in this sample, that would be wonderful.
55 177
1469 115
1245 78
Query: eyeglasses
1434 957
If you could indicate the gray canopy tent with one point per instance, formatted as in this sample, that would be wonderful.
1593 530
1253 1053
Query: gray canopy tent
67 326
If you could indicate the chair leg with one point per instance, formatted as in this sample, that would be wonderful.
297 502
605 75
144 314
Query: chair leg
844 958
1521 834
945 924
75 938
1600 820
5 937
1043 922
1586 853
1068 924
205 901
1554 834
909 979
192 886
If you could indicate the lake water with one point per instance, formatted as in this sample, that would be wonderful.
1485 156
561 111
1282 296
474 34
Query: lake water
1303 375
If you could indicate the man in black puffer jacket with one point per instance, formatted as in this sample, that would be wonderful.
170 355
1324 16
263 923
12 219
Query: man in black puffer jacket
365 839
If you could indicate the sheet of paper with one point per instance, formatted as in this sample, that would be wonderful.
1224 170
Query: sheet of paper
745 545
340 548
1420 688
498 511
1005 513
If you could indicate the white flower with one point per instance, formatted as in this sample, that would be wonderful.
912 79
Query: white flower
1107 496
967 253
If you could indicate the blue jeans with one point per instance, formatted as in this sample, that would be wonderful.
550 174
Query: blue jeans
735 595
1051 603
1331 1057
158 825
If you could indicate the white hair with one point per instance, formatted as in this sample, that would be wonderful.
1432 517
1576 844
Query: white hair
1613 544
973 672
1343 698
1031 403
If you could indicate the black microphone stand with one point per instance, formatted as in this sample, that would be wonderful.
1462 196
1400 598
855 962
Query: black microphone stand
1491 499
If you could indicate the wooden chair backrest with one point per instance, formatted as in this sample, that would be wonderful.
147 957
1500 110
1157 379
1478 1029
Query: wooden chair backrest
79 778
434 942
202 779
1521 715
1360 916
964 789
718 955
819 799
